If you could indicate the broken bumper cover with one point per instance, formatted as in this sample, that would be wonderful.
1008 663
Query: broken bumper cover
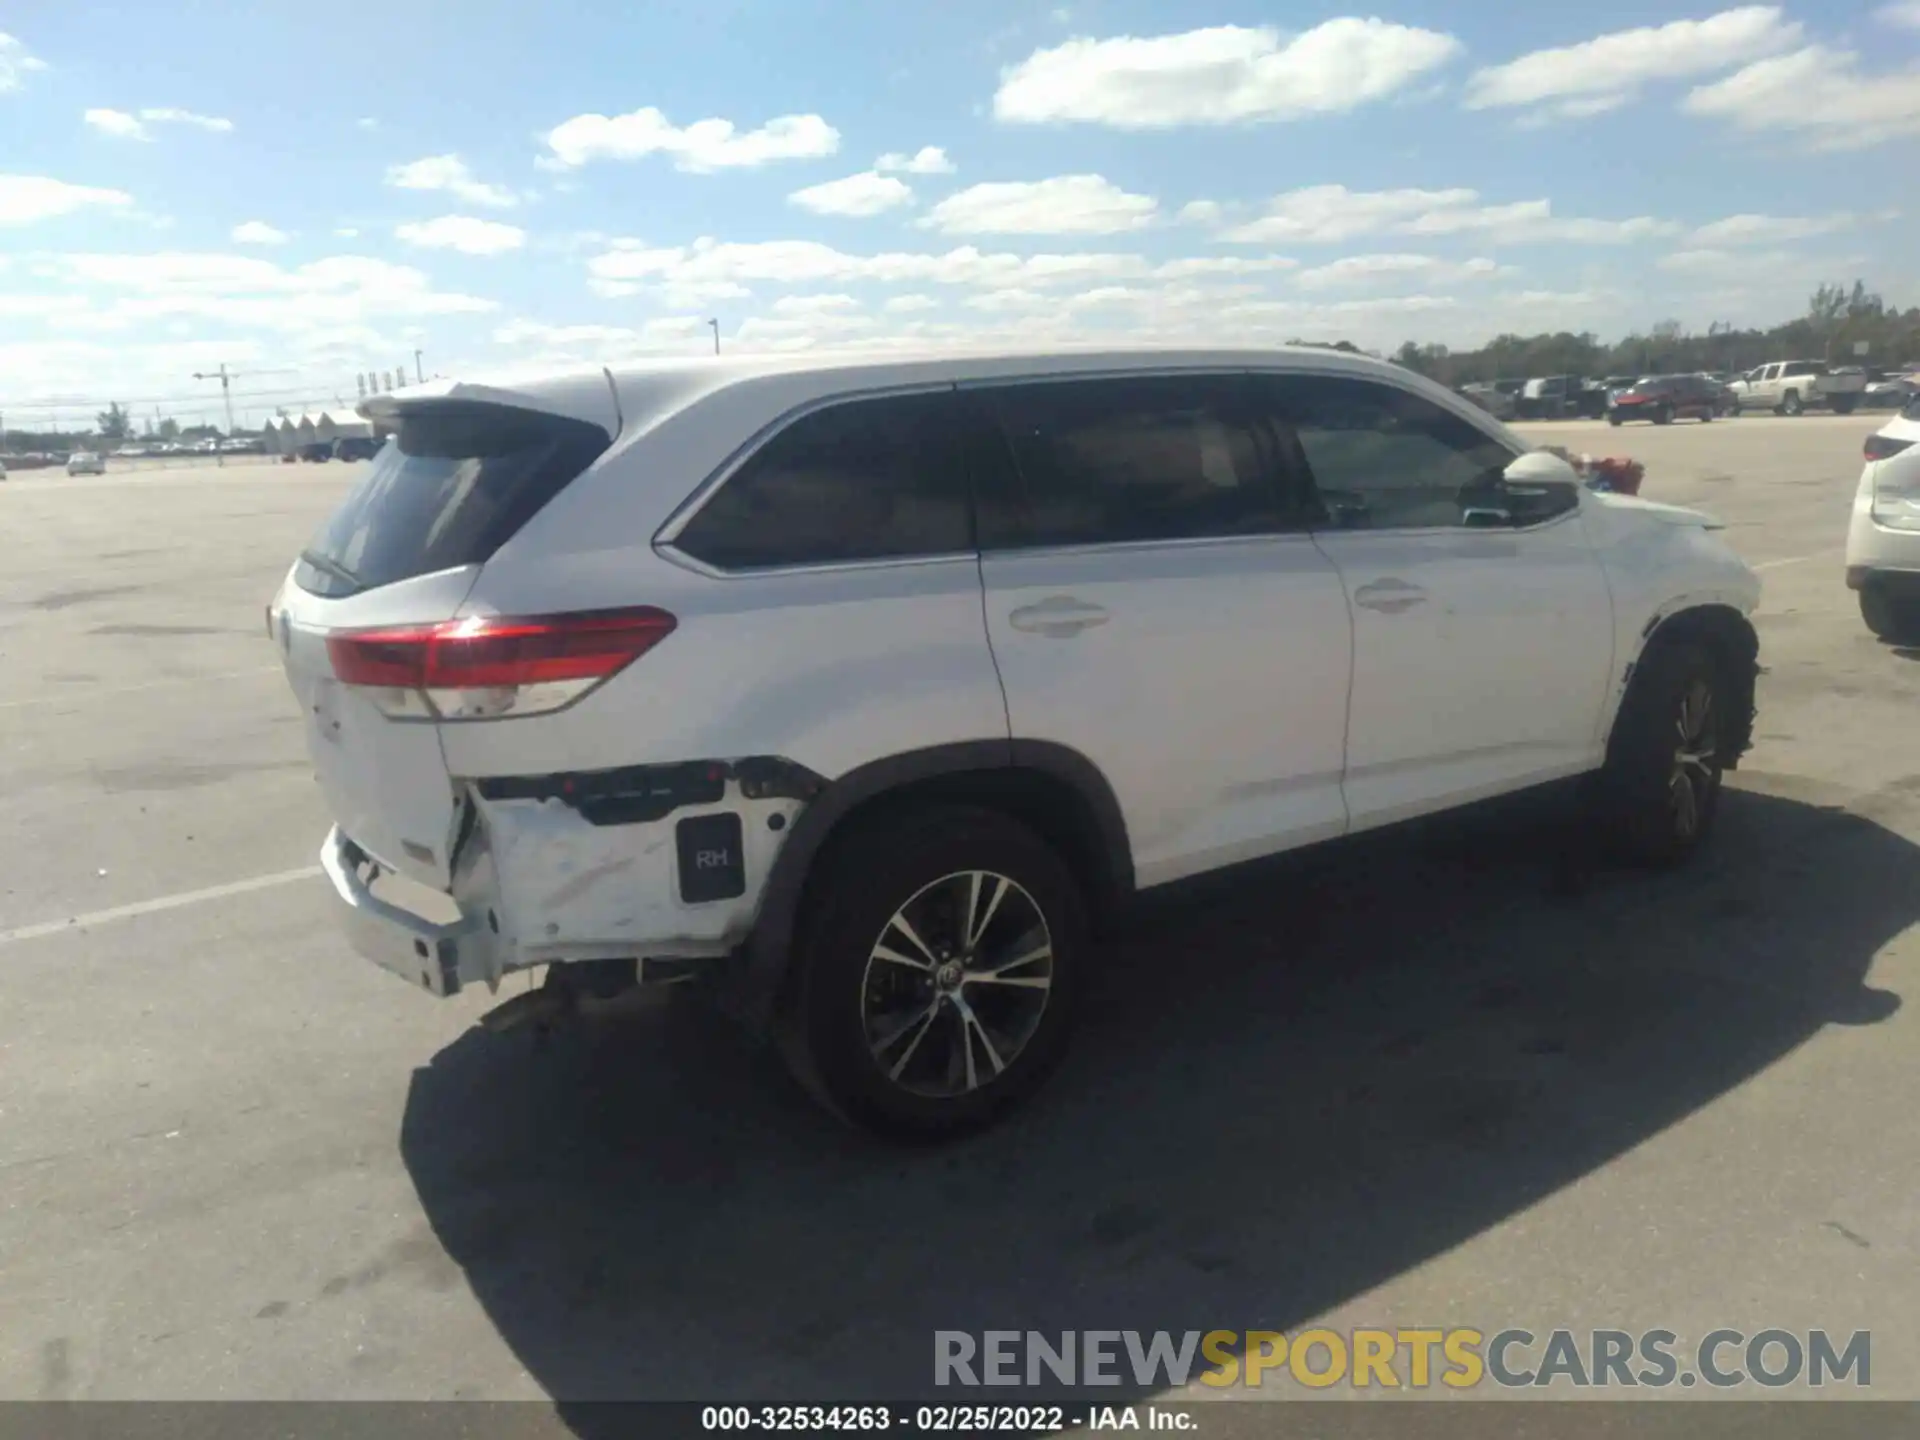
437 957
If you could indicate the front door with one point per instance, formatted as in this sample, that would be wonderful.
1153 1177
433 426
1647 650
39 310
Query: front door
1482 647
1155 602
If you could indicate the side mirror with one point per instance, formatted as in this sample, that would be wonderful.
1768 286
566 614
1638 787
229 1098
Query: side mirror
1536 487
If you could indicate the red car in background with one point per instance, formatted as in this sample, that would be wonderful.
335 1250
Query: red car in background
1666 398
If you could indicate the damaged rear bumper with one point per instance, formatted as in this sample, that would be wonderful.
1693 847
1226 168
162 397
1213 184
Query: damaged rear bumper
664 866
439 957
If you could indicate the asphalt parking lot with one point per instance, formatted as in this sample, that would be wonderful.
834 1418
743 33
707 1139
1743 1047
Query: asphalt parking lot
1440 1078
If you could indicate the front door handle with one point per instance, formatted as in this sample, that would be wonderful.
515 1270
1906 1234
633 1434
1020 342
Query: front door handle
1389 597
1057 617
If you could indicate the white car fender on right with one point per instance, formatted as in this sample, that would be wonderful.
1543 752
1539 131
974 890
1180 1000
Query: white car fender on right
1645 546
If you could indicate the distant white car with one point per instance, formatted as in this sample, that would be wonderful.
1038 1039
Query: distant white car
1883 542
86 462
859 688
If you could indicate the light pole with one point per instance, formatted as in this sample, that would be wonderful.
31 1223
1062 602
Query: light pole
226 379
418 373
715 325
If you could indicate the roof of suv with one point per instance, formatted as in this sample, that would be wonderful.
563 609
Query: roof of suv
639 392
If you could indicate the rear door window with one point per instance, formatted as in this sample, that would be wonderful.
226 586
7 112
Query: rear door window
1126 460
866 480
453 484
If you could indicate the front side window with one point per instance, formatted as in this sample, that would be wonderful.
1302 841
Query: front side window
879 479
1386 459
1097 462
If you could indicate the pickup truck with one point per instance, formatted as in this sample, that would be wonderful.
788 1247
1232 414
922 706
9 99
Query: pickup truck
1788 387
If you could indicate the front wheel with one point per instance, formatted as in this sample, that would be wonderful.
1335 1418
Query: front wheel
1613 420
1660 786
1844 407
1895 619
1663 416
939 971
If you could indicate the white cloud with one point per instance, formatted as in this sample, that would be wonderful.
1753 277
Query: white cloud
868 193
1222 75
318 303
16 62
910 304
1904 13
168 116
367 122
1202 212
468 235
1771 229
1603 73
25 199
927 160
449 173
1063 205
124 125
1224 265
1323 213
347 232
258 232
703 146
708 262
815 305
1369 269
1818 92
117 123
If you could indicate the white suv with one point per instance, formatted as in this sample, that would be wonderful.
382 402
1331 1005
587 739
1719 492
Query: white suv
1883 542
871 690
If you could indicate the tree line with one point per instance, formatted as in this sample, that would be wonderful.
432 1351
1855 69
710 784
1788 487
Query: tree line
1837 319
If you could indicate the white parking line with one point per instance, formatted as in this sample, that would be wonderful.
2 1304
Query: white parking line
135 689
153 907
1797 559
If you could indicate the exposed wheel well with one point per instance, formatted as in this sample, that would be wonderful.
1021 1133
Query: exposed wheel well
1056 792
1051 807
1730 637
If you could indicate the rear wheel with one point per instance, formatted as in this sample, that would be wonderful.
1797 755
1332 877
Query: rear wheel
1660 787
1844 405
1613 419
1790 403
1663 416
939 971
1893 618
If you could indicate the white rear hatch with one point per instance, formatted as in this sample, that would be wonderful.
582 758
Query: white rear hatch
365 620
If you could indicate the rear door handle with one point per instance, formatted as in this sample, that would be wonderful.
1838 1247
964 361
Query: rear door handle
1057 617
1389 597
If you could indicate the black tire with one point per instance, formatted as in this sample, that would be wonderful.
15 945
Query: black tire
1844 407
1613 420
1894 619
1790 403
1646 818
1663 416
920 863
1706 416
1736 410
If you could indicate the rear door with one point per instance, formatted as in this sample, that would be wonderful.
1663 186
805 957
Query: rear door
1155 603
355 618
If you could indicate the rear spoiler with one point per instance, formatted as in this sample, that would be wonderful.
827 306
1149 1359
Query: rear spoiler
588 396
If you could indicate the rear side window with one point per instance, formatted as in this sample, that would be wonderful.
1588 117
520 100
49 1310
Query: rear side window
1101 462
1798 368
878 479
453 485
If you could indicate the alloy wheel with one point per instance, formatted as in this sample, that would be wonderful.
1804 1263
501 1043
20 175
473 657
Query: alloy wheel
1695 770
956 983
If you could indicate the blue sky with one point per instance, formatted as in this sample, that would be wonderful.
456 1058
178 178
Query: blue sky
316 191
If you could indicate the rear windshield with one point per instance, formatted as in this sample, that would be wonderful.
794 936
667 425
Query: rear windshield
452 486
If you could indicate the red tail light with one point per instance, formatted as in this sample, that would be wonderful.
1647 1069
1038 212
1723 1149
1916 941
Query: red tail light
1879 447
491 667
